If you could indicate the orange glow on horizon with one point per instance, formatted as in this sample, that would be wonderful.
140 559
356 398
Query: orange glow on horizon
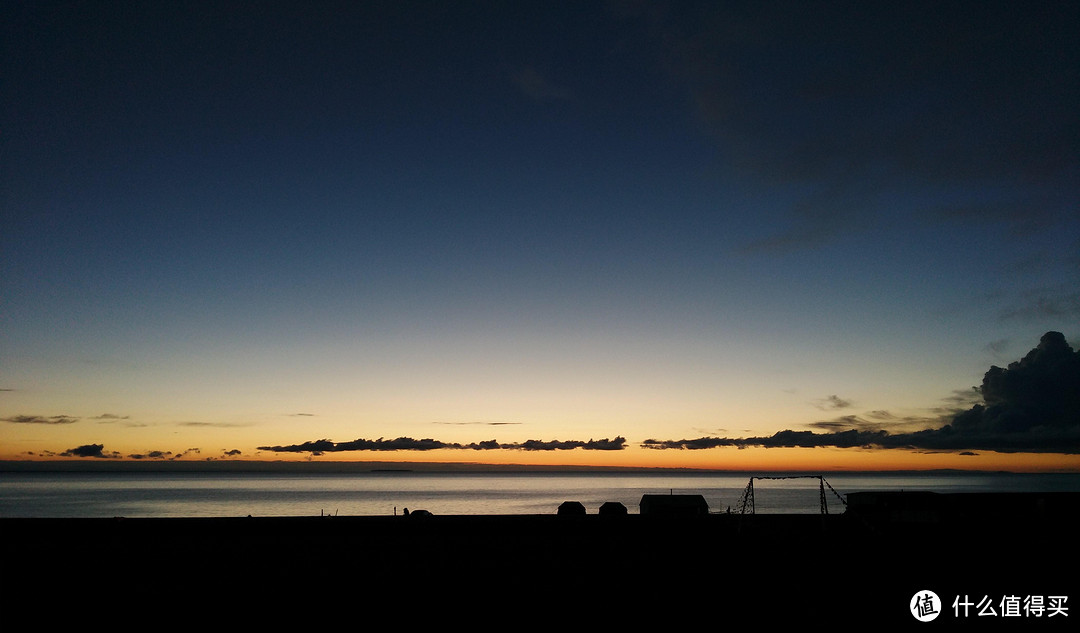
719 459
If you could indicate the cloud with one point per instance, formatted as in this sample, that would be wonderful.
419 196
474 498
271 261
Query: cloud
104 418
695 444
965 398
170 456
90 450
1033 405
843 423
480 423
851 438
152 455
319 447
1039 395
109 417
832 402
881 415
880 420
41 419
592 445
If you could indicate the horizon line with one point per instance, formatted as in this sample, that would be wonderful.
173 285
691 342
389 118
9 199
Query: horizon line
347 466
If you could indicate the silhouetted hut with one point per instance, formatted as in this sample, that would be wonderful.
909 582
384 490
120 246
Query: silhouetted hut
572 508
612 508
673 505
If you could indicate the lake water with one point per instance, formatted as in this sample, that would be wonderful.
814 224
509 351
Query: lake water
371 494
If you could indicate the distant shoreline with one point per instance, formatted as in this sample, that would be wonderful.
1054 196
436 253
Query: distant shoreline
343 467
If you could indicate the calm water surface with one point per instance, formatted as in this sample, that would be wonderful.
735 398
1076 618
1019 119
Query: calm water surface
259 494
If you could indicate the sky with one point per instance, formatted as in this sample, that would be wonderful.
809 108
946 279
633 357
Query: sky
763 235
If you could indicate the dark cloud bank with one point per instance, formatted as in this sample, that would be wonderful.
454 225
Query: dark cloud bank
1033 405
319 447
97 451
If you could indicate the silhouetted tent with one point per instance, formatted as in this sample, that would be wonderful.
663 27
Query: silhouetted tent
571 508
673 505
418 513
612 508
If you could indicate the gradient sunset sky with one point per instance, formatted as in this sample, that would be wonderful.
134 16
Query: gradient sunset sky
531 232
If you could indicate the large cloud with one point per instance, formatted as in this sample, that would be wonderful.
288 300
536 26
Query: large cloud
1033 405
1035 400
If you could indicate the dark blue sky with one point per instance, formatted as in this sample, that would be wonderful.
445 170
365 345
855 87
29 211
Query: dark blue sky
584 219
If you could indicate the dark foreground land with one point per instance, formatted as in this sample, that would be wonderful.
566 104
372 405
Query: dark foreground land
860 567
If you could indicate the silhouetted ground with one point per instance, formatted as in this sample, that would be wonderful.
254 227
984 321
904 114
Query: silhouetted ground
619 569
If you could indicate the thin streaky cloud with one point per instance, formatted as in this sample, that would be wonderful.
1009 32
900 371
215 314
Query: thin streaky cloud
41 419
832 402
479 423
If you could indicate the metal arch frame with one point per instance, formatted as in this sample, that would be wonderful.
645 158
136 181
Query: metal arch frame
746 504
